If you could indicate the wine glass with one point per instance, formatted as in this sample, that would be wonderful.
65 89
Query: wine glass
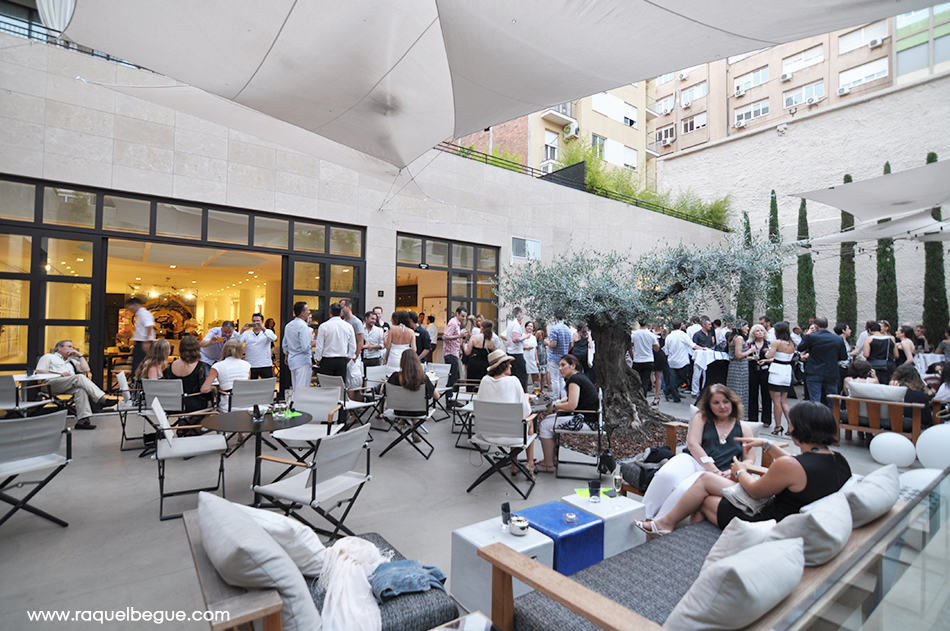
618 481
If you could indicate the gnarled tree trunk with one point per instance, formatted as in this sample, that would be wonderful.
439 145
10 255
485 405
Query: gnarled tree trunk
624 403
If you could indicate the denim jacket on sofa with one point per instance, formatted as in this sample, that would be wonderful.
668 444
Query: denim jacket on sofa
402 577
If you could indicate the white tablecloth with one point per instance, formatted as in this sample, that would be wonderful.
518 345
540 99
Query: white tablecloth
706 356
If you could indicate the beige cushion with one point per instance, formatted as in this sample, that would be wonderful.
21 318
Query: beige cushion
298 541
876 391
874 495
739 589
825 526
739 535
246 556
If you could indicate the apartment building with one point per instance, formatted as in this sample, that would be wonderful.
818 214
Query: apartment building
617 123
732 96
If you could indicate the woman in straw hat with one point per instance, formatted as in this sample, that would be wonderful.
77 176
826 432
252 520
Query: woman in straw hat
500 386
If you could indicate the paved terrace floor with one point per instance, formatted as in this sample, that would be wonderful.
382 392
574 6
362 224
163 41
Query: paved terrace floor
117 554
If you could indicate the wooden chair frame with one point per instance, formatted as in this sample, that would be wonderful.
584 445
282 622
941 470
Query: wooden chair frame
874 407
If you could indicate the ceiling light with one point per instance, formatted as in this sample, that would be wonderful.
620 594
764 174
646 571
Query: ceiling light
80 260
190 296
62 262
137 278
173 266
194 281
153 295
48 267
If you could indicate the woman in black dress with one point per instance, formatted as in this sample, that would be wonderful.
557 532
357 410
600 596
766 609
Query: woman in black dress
478 348
881 352
192 372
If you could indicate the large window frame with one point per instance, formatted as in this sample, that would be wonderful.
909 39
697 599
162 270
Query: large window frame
337 238
474 275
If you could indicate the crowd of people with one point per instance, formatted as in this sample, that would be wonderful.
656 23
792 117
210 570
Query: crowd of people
766 362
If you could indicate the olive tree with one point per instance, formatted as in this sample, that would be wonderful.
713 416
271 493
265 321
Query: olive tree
611 290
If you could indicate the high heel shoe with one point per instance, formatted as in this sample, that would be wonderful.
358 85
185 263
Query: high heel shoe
652 531
778 431
656 402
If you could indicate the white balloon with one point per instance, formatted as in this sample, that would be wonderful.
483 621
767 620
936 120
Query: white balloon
893 448
933 447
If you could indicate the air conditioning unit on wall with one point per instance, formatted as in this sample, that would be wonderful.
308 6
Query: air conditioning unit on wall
787 76
667 142
811 100
843 91
684 76
686 104
571 130
876 43
740 124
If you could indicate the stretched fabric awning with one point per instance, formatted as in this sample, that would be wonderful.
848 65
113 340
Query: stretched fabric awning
885 196
939 232
392 78
908 226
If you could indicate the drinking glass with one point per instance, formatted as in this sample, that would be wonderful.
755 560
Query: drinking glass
594 486
618 481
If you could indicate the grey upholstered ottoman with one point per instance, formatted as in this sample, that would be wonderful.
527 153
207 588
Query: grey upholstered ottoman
407 612
649 579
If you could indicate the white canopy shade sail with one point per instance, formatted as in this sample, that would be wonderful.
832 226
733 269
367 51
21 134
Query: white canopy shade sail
886 196
393 78
907 226
939 232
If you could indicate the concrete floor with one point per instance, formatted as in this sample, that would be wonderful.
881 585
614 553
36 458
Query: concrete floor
117 554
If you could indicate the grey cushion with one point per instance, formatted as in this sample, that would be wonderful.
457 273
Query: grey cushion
876 391
649 579
407 612
824 525
740 589
874 495
246 556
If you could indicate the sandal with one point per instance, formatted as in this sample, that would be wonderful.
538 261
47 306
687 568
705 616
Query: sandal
656 402
544 468
778 431
652 531
513 471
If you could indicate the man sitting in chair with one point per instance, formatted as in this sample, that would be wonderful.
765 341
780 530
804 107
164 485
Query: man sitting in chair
71 367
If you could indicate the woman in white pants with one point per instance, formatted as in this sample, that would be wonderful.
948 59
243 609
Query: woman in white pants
711 444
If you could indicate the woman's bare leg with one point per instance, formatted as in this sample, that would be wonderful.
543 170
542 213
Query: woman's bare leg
708 485
786 410
776 409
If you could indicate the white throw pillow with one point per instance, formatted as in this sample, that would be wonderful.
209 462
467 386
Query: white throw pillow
825 526
739 535
300 542
246 556
876 391
739 589
874 495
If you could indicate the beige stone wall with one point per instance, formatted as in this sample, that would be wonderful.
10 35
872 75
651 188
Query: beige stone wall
57 127
899 125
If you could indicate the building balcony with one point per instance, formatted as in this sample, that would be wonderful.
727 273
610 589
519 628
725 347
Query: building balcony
651 108
559 114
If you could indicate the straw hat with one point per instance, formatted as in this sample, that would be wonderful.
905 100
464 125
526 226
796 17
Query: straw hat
498 357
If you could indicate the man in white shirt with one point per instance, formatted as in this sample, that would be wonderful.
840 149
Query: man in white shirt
336 344
213 343
677 348
862 337
514 337
643 343
354 368
144 332
766 323
433 331
298 347
69 367
373 338
257 341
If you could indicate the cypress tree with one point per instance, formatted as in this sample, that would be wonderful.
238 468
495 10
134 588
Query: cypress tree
806 272
774 306
936 313
886 302
745 301
847 310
